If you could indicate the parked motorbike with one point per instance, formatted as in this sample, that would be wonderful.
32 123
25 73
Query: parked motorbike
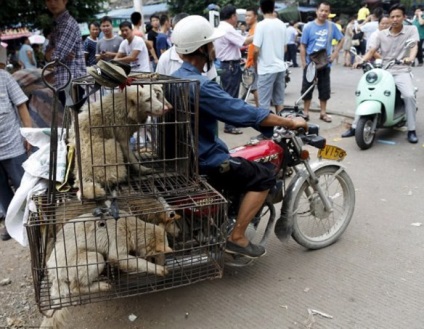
378 102
317 202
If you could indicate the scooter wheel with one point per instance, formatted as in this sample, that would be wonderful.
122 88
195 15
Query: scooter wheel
364 134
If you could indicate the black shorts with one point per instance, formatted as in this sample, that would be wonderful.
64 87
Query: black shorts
324 88
241 175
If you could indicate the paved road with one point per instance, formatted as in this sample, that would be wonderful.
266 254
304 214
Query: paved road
371 278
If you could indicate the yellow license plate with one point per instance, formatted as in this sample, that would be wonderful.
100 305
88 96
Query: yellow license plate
331 152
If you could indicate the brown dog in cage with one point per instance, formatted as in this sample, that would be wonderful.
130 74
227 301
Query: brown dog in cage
105 129
156 211
82 248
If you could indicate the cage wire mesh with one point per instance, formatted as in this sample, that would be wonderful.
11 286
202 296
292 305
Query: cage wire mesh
127 143
149 221
80 254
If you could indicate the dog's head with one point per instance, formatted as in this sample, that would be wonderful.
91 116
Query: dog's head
146 100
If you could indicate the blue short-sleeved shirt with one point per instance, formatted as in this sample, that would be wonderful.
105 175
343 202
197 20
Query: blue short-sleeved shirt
315 37
215 104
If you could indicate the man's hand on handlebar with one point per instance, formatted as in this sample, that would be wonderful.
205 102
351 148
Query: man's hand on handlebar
299 122
357 64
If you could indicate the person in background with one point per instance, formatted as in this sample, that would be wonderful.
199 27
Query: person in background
348 34
65 45
108 46
13 148
138 31
252 20
369 26
291 53
228 52
334 42
243 29
152 37
270 41
137 24
170 61
383 23
315 37
418 21
13 58
26 55
163 41
133 49
363 12
193 38
39 56
90 44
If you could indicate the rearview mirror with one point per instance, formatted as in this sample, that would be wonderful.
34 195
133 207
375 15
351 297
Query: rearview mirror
310 72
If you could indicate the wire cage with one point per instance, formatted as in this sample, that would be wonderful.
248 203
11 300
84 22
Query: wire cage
81 254
139 217
138 139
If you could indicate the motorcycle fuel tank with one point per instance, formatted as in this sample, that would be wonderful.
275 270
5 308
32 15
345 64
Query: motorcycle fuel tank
263 151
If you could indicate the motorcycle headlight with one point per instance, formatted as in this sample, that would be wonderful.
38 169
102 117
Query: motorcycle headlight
371 77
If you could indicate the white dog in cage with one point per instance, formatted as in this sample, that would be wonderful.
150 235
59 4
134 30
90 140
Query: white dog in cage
82 248
105 130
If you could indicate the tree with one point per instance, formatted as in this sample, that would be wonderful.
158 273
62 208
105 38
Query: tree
34 12
198 7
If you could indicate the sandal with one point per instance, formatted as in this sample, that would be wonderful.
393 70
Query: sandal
305 117
325 118
234 131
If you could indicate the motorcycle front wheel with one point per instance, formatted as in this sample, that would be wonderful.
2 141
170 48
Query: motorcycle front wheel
364 134
313 226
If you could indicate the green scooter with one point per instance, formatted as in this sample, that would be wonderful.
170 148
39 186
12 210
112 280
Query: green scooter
378 102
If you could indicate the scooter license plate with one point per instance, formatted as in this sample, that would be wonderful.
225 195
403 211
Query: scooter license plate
331 152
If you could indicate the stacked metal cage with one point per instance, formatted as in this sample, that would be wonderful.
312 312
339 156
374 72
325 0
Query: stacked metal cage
148 230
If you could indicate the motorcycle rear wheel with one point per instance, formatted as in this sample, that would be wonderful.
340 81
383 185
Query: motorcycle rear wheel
313 226
364 134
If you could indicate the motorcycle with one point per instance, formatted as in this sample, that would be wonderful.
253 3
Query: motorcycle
378 102
317 203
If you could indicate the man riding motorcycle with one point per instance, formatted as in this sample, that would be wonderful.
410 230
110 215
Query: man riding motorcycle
390 44
193 38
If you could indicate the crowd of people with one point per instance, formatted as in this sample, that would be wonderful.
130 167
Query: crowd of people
188 46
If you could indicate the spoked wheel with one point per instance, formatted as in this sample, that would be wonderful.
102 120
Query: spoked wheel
364 134
257 232
313 226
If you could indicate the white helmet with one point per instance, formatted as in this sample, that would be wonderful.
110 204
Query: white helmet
192 32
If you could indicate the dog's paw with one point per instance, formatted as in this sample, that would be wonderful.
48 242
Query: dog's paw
104 286
161 270
142 169
91 191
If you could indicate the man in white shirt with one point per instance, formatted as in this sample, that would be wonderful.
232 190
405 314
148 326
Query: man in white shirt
270 41
170 61
227 50
133 49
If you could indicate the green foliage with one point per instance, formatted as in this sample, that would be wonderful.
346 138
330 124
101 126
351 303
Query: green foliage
34 12
347 7
198 7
